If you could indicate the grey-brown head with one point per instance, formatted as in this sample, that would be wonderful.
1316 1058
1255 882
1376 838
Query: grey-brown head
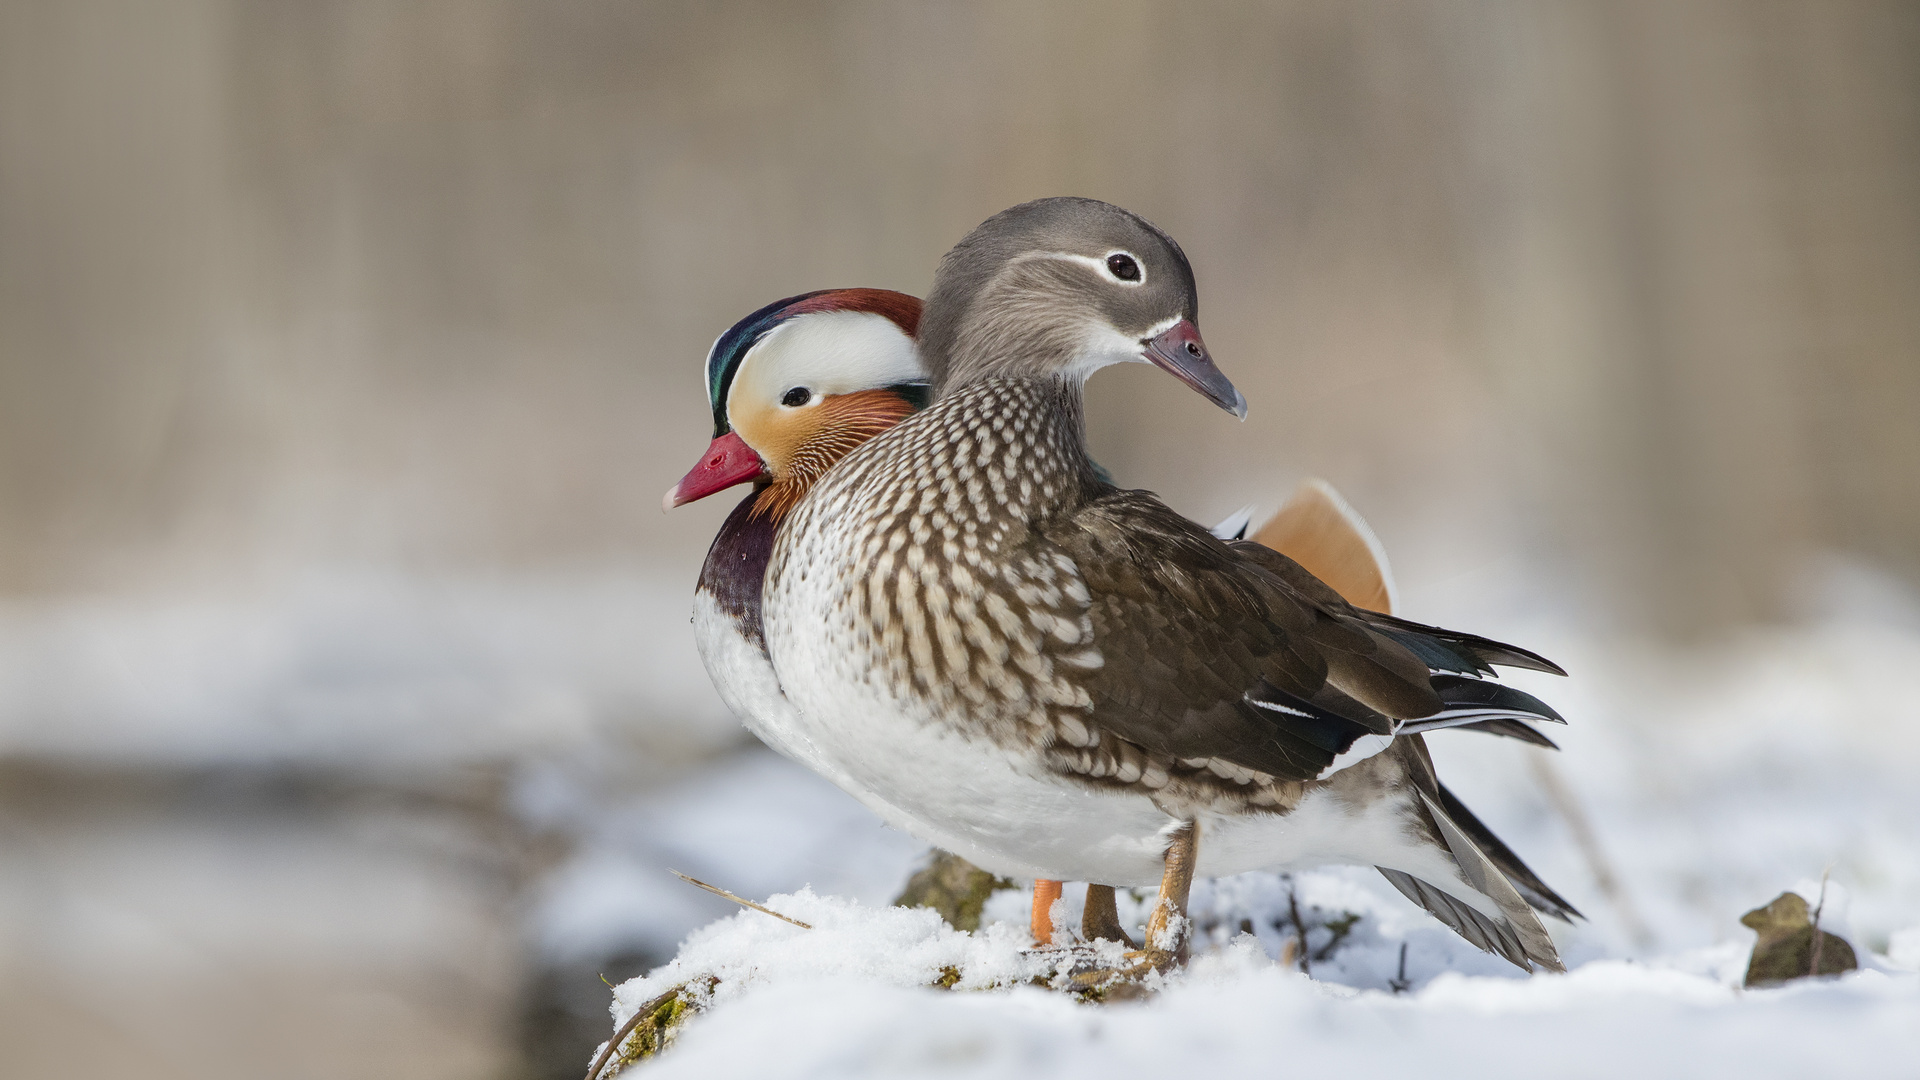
1065 287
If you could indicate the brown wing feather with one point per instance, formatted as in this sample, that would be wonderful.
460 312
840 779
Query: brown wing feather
1189 627
1182 639
1371 667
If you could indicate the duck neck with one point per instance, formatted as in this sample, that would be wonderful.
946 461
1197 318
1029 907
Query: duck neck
1046 415
736 566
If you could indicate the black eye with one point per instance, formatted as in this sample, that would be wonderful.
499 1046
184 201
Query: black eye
1123 267
796 397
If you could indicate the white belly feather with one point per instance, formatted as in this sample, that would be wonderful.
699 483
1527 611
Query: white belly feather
744 677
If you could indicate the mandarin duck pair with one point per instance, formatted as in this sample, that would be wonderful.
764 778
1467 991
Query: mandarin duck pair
934 598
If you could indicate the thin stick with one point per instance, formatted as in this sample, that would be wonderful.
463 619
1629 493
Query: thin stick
741 900
1300 928
1819 939
1399 982
626 1029
1588 841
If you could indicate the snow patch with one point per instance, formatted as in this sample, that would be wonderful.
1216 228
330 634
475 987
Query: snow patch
851 998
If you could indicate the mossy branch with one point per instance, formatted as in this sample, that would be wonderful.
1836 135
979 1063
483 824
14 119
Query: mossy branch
651 1027
954 887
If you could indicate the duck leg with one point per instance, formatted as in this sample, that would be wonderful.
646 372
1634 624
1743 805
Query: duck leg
1102 918
1044 894
1166 944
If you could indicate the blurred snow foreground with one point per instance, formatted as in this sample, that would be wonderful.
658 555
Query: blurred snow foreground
1711 780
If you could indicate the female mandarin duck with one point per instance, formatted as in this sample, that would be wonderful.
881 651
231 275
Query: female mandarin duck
787 405
1058 679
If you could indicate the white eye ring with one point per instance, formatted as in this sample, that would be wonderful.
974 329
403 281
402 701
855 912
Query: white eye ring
1139 269
813 398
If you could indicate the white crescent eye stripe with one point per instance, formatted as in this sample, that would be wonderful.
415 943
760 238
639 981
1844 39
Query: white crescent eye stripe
1099 265
828 353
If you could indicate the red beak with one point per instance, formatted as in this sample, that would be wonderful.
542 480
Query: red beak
728 461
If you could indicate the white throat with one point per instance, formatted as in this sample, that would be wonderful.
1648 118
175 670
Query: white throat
1104 346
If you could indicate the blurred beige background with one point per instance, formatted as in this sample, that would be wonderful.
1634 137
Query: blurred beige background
430 283
1614 302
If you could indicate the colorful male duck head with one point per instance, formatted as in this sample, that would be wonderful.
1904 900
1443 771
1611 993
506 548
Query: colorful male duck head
798 384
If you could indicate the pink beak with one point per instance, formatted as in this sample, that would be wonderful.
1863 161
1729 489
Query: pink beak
728 461
1182 354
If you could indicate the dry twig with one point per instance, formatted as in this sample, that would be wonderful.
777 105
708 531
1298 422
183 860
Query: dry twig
1300 929
1819 939
1588 841
741 900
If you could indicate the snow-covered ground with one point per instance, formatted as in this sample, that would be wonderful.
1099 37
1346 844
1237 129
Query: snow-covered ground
1712 779
849 998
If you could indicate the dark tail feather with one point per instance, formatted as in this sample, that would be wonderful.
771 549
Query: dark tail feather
1461 693
1438 655
1490 706
1525 881
1464 700
1512 729
1514 933
1481 931
1465 654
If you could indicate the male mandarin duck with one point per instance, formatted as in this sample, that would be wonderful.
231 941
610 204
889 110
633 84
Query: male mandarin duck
1057 679
793 387
788 405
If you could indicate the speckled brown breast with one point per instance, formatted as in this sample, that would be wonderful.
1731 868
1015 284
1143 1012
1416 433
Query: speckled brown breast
952 599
